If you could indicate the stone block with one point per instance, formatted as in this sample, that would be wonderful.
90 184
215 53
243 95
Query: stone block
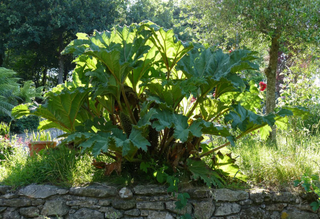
203 210
4 189
259 195
55 208
85 213
84 203
123 204
41 191
230 195
298 215
111 212
276 207
227 209
253 213
132 212
171 206
286 197
104 202
159 215
94 191
29 212
16 202
11 214
150 190
125 193
199 192
150 205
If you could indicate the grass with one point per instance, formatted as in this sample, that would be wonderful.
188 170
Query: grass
277 166
264 165
59 166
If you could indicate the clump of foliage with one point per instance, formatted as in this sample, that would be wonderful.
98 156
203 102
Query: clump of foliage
147 100
29 123
6 148
301 90
8 86
59 166
4 129
12 94
311 184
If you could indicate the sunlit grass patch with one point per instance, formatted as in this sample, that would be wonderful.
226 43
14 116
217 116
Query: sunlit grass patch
59 166
278 166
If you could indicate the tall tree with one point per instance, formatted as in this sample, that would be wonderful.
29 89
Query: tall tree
271 21
166 14
45 27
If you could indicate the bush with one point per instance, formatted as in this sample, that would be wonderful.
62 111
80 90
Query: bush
18 126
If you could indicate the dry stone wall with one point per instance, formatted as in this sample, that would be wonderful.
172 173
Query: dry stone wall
149 202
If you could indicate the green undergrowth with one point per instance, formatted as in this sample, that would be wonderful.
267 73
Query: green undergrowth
60 166
261 164
277 166
65 167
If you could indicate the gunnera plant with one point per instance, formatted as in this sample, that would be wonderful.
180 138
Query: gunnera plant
147 100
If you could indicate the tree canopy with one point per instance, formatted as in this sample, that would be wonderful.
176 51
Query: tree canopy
276 22
41 29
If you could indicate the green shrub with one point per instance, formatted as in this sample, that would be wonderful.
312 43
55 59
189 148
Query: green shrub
29 123
18 126
145 99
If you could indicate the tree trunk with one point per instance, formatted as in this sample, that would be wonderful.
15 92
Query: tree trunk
1 59
61 70
61 60
271 81
44 78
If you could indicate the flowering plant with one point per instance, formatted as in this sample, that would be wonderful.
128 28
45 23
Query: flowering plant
262 85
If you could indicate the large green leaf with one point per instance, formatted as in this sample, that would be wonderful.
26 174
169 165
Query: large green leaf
171 49
246 120
218 69
167 96
61 109
211 128
20 110
98 142
144 121
111 139
138 140
119 50
182 130
200 170
142 70
212 108
228 165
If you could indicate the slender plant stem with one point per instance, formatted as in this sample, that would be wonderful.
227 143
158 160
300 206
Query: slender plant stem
128 105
